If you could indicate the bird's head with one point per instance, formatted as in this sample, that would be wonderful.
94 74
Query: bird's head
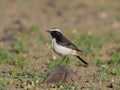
55 32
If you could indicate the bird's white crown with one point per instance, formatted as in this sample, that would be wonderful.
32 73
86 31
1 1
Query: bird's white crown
55 29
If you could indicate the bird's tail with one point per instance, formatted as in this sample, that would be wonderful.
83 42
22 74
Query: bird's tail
81 59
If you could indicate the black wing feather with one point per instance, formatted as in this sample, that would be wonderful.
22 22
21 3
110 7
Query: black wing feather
67 43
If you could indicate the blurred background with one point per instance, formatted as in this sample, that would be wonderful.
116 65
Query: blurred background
25 53
83 15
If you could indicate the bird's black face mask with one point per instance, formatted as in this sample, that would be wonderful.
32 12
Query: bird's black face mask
55 34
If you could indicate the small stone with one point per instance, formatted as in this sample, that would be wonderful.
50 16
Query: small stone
61 74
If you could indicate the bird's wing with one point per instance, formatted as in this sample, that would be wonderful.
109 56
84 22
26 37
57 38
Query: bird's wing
67 43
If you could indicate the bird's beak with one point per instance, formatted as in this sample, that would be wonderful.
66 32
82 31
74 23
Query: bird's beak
48 31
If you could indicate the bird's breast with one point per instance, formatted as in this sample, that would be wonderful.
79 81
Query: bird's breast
61 50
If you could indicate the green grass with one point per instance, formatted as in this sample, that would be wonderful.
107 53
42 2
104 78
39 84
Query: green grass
115 61
65 86
6 57
34 28
100 75
89 43
19 47
23 79
53 62
100 63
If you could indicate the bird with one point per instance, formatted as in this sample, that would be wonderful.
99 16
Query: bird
63 46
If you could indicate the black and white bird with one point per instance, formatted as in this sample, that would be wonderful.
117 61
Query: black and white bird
62 46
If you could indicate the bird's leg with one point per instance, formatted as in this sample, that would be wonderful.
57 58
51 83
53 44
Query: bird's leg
64 57
62 61
67 60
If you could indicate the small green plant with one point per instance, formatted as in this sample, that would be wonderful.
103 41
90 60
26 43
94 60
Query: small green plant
33 28
100 63
20 61
13 73
115 61
115 57
66 86
19 47
4 56
53 62
100 75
